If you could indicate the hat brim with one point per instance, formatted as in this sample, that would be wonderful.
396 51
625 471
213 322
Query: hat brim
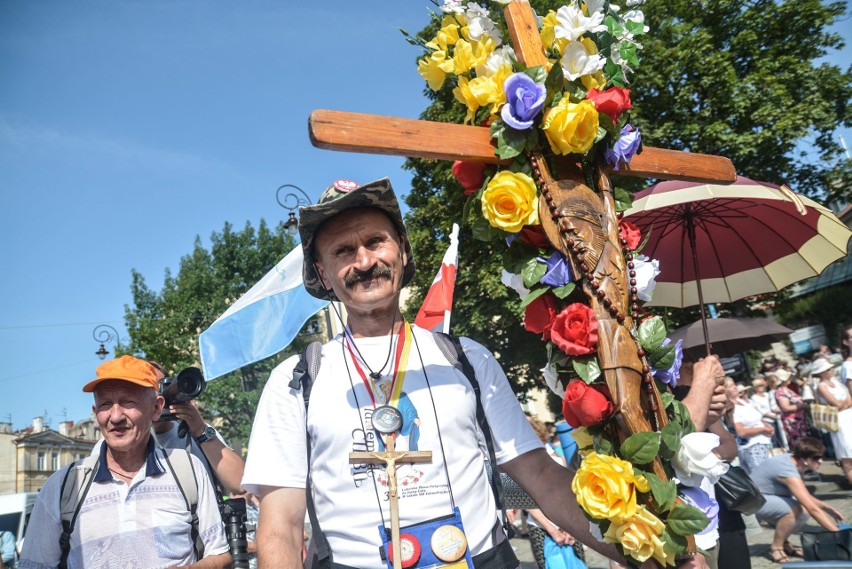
92 385
378 195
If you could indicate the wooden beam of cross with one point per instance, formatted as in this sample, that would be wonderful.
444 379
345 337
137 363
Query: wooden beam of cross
389 458
580 223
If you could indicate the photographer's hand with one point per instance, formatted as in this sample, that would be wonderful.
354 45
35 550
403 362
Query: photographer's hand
189 413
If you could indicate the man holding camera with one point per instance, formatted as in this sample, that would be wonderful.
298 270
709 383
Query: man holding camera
132 509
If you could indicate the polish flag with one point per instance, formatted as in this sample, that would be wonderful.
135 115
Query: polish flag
435 312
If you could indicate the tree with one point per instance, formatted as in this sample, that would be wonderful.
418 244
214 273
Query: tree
721 77
164 326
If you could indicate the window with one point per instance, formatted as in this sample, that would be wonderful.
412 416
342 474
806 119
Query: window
54 459
42 461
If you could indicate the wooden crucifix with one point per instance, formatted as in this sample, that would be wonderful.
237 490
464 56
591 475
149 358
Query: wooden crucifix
579 222
387 421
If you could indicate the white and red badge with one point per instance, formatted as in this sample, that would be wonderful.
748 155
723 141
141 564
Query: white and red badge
409 546
345 186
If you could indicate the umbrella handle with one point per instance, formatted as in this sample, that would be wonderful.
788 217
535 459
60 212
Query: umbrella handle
690 228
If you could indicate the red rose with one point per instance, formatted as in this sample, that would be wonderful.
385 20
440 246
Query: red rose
534 235
470 175
629 233
612 102
585 405
539 314
575 330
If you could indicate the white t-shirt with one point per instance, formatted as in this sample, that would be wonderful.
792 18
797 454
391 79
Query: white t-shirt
763 403
750 417
345 495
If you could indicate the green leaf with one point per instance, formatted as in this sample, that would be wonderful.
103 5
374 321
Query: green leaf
673 543
554 83
561 292
537 73
505 150
518 255
686 520
663 357
623 199
603 446
587 368
667 398
533 271
671 435
664 492
534 294
652 333
640 448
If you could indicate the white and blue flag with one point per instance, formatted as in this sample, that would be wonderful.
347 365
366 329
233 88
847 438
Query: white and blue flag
262 322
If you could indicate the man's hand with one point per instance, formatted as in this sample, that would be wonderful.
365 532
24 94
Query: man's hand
718 404
189 413
709 369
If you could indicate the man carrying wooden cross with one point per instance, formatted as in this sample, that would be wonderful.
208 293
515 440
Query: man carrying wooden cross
356 251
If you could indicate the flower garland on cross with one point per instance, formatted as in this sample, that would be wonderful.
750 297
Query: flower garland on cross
576 106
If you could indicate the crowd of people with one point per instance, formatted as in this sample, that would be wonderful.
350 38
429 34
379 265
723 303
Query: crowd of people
152 495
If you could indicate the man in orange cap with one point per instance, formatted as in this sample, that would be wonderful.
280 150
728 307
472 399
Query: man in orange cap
134 512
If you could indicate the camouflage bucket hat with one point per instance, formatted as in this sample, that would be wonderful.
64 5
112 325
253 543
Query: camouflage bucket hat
341 196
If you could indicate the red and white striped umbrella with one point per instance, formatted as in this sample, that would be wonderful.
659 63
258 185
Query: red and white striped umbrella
748 238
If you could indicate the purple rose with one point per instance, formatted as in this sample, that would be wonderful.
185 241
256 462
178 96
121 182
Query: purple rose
624 148
708 506
524 100
558 271
672 375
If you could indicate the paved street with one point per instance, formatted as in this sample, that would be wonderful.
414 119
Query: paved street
827 489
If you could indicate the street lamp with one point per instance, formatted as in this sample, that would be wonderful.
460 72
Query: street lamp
104 333
292 224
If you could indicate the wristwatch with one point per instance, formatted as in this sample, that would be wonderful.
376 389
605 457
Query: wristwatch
207 434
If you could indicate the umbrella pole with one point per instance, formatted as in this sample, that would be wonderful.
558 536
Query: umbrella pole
690 229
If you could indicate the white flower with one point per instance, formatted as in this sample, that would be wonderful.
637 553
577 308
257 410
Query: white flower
503 2
646 271
594 6
479 24
636 16
695 459
573 23
631 3
503 55
515 282
549 372
577 61
452 7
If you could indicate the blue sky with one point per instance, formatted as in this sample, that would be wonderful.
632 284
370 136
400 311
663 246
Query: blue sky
129 127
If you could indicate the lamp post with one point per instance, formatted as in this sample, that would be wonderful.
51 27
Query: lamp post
292 224
104 333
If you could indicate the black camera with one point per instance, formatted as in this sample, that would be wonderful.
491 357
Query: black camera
185 386
233 512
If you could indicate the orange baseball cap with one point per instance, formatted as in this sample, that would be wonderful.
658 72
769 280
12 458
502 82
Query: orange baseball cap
126 368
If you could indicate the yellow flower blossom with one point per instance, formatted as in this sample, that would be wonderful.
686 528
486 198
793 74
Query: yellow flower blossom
605 487
548 35
640 537
467 55
510 201
434 69
594 81
571 128
481 91
583 439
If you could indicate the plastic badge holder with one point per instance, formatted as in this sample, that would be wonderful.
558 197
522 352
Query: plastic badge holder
423 531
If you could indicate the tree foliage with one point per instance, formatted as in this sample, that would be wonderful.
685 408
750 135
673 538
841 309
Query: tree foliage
717 76
164 326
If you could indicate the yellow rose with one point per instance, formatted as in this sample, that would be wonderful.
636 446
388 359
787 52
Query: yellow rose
510 201
640 537
605 487
434 69
571 128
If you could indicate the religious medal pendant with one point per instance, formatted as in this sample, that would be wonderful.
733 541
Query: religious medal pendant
387 420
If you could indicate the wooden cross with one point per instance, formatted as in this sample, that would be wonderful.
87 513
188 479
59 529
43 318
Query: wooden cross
389 458
579 222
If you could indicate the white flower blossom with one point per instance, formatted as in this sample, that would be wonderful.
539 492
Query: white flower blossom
632 3
515 282
479 24
573 23
695 459
452 7
503 55
646 271
594 6
503 2
577 61
549 373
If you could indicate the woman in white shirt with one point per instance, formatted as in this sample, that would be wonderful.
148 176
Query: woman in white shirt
754 435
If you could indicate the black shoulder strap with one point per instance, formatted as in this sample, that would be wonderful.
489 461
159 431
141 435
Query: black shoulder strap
452 349
304 374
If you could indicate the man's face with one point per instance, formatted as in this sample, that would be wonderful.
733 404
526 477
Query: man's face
124 412
361 258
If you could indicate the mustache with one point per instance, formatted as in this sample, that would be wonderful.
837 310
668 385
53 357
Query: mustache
374 272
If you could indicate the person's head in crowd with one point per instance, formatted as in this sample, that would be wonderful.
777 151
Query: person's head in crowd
822 369
809 454
781 377
540 429
758 386
731 391
846 341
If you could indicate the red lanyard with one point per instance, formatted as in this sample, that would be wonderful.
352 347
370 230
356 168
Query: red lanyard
368 383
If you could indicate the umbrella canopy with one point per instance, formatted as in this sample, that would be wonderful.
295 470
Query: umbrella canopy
730 336
749 238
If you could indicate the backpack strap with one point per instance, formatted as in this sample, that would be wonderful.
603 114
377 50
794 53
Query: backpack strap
75 486
304 374
180 464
